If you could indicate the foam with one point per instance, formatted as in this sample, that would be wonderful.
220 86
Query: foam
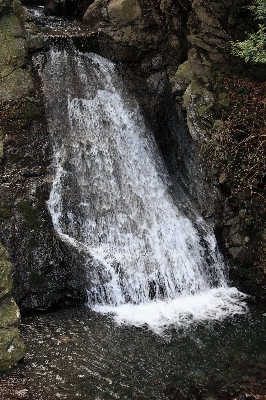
214 304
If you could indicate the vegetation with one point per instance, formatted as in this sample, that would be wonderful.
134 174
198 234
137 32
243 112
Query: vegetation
241 143
253 49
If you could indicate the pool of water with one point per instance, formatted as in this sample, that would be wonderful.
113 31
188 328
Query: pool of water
75 353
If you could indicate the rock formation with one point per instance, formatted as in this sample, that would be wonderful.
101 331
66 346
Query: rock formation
25 225
12 348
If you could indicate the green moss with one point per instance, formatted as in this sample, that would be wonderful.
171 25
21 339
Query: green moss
204 109
12 51
12 348
225 103
184 72
9 313
6 269
30 215
11 24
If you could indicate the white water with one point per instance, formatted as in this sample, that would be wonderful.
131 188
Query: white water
146 261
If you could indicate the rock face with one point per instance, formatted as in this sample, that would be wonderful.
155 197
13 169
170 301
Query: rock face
43 265
212 26
12 348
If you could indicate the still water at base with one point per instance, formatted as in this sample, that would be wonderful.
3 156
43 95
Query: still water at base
76 353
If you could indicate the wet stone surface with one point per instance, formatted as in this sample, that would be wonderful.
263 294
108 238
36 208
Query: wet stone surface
74 353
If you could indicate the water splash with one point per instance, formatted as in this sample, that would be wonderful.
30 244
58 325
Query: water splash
147 262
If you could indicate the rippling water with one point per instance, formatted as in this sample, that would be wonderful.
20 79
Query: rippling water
75 353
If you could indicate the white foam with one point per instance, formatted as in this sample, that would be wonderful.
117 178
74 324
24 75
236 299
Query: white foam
213 304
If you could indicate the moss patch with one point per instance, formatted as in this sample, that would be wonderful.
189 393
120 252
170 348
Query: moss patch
9 313
12 51
11 24
12 348
6 269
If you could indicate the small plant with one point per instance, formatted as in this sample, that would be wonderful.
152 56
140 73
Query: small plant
253 49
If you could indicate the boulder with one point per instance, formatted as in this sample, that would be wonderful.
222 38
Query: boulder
124 12
12 348
95 13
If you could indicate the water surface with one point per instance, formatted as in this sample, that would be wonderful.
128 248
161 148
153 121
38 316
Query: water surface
75 353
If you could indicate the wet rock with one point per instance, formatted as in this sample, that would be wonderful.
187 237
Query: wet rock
12 348
25 154
95 13
124 12
16 85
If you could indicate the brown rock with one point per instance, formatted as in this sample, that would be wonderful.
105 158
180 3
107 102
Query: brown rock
95 13
124 12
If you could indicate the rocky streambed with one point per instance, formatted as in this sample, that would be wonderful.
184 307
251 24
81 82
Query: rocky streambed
74 353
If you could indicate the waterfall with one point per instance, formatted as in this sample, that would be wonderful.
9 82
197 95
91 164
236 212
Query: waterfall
110 199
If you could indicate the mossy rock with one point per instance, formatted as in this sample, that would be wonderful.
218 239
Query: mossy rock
13 51
6 282
4 256
16 85
6 269
184 71
9 313
11 24
12 348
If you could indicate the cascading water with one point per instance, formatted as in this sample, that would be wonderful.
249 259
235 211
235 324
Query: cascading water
146 261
